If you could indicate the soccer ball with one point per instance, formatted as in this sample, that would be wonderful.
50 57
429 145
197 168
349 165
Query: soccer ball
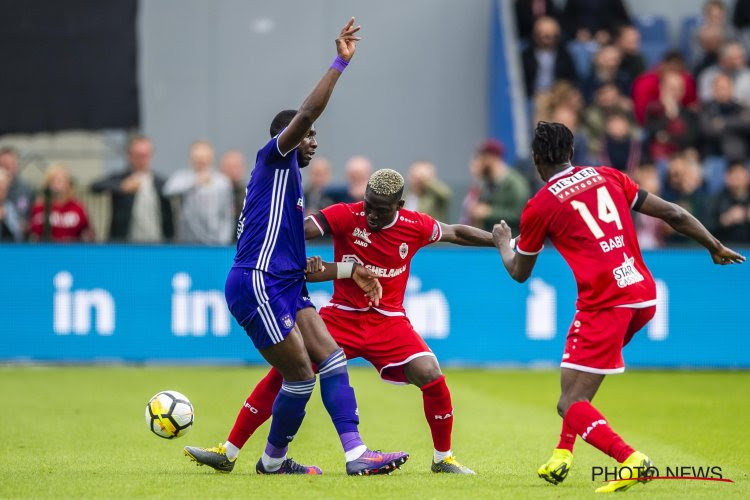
169 414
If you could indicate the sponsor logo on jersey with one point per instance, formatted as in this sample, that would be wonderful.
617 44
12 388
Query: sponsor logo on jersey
403 250
626 274
381 272
613 243
577 183
362 235
352 258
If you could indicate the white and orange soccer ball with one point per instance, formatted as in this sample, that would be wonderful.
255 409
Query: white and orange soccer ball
169 414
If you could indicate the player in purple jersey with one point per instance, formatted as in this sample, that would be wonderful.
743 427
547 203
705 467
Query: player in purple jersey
266 292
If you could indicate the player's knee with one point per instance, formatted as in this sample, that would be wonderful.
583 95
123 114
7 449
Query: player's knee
423 372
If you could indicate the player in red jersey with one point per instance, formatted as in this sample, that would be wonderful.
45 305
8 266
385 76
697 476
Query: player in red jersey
380 235
585 212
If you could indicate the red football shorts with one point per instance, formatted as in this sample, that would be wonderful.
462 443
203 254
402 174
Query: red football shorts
596 338
388 342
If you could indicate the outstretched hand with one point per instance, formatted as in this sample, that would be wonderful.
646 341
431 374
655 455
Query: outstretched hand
369 284
724 256
314 265
346 41
501 234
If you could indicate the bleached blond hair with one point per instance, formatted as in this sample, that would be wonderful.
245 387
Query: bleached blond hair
386 182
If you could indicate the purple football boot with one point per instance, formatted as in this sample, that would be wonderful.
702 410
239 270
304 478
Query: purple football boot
376 462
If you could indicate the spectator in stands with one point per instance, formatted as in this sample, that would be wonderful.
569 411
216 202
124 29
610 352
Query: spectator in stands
426 193
607 99
670 126
623 148
732 62
646 87
562 93
10 222
206 208
710 41
503 192
725 123
546 60
19 193
594 19
319 177
140 212
714 24
684 187
57 215
471 199
234 167
568 117
628 40
358 170
528 11
650 230
605 69
729 211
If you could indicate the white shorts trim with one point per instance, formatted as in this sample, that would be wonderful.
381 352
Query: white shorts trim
588 369
365 309
640 305
391 365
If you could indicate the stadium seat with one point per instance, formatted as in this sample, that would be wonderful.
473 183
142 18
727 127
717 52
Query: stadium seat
582 54
689 25
653 29
654 37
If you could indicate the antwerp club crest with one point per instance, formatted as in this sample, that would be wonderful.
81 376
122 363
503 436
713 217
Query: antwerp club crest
403 250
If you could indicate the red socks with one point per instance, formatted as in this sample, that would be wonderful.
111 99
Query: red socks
587 422
567 437
257 408
439 412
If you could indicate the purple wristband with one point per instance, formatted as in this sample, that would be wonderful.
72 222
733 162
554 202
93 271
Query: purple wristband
339 64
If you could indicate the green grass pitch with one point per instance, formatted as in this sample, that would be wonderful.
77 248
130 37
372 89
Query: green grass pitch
79 432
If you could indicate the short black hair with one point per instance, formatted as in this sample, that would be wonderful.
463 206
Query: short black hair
553 143
281 121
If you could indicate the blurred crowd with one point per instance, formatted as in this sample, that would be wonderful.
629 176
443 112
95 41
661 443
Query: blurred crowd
677 120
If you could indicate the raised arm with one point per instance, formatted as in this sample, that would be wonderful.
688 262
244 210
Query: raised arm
683 222
518 265
460 234
316 102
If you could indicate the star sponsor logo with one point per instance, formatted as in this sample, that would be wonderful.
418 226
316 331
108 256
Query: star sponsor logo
626 274
362 237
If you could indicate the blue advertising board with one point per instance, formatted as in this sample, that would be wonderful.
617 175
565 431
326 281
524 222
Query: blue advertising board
74 303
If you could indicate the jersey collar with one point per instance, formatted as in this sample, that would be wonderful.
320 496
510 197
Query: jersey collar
392 223
561 174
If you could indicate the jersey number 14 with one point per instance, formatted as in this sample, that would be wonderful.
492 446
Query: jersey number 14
607 212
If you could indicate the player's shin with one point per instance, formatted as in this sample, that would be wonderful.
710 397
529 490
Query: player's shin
288 413
339 400
254 412
438 409
591 425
